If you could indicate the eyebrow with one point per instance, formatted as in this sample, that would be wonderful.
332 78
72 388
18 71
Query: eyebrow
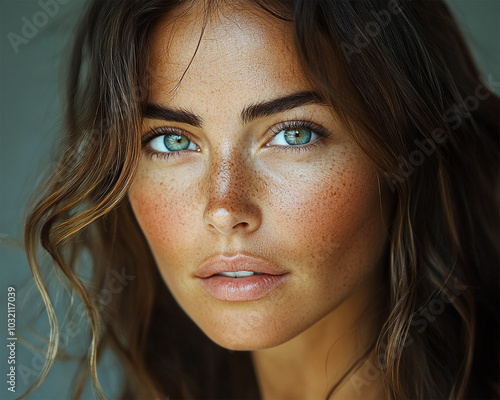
156 111
276 106
249 113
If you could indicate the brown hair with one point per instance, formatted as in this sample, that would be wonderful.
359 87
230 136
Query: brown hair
402 79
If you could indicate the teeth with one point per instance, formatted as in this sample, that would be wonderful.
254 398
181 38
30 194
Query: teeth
237 274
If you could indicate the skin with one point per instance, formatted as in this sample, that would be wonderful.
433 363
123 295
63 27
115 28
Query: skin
315 213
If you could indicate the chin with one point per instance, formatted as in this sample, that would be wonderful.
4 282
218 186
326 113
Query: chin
249 343
246 334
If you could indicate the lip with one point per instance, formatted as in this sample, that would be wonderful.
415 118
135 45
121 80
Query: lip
249 288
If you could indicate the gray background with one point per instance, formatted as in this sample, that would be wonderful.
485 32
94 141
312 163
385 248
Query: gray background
29 120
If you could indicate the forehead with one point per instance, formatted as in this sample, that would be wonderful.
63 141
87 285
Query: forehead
242 50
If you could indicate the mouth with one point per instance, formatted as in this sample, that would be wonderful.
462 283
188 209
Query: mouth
238 274
240 278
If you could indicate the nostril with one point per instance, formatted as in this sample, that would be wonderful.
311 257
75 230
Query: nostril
243 225
228 228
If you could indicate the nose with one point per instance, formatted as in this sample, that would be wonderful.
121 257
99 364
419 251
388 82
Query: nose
230 207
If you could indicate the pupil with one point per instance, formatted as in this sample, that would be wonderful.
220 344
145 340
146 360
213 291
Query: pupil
176 142
298 136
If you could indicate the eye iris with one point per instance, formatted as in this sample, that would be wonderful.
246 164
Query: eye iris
297 136
176 142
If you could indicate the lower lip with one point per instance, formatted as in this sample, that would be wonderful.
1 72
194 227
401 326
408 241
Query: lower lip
249 288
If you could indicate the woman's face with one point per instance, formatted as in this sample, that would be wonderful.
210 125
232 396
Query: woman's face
254 175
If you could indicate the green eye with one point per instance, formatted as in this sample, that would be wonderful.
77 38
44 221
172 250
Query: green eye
293 136
176 142
297 136
170 142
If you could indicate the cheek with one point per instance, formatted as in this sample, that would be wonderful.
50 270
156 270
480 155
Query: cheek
331 219
163 205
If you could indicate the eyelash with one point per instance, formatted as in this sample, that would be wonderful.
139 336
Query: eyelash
304 124
276 129
154 133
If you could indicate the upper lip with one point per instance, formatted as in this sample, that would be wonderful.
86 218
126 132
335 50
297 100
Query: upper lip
239 262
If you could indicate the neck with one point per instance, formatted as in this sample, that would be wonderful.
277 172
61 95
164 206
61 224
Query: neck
309 365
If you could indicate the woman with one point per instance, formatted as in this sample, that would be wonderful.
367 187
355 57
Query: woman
281 200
